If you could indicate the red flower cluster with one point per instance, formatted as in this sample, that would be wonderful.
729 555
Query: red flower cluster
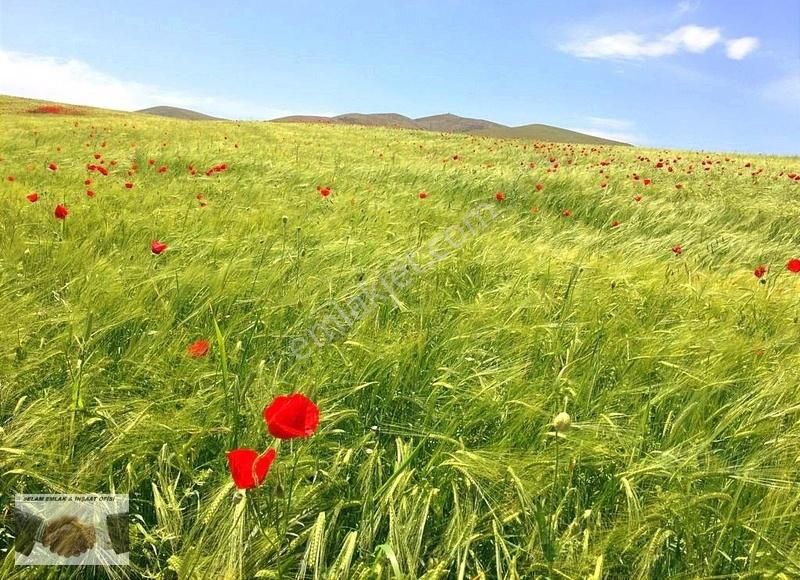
324 191
287 417
218 168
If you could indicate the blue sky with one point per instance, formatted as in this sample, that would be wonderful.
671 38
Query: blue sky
693 74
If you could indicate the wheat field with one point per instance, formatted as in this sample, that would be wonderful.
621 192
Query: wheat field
439 335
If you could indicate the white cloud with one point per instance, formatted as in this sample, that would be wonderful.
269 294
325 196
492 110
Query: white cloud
631 46
738 48
76 82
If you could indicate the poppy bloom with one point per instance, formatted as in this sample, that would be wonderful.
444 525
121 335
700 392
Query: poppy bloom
90 193
162 169
637 198
32 197
567 213
202 199
677 250
151 161
760 271
198 349
10 178
423 195
97 155
60 212
87 182
291 416
647 181
539 187
157 247
678 186
52 167
102 169
248 468
793 265
500 196
128 185
615 224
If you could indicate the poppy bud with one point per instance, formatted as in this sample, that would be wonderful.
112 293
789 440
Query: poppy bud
562 422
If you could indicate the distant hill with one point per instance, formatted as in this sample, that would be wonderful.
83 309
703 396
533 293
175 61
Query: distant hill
449 123
540 132
377 120
178 113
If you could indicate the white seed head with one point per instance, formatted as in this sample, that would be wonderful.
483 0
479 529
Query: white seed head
562 422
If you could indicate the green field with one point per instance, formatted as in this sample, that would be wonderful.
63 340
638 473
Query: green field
473 323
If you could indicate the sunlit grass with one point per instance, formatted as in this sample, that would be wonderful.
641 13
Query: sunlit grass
436 456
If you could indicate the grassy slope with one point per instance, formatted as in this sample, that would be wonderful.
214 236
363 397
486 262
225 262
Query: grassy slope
435 457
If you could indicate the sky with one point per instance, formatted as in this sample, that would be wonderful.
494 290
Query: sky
714 75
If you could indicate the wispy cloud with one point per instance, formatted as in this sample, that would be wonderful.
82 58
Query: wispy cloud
784 91
738 48
611 128
632 46
686 7
74 81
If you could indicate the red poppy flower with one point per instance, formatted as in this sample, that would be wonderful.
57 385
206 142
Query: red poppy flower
248 468
324 191
102 170
52 167
90 193
291 416
162 169
637 198
198 349
677 250
615 224
567 213
678 186
32 197
793 265
151 161
97 155
603 185
423 195
87 182
157 247
128 185
500 196
760 271
539 187
10 178
61 212
647 181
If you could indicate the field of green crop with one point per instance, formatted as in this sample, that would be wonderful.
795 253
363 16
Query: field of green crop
439 337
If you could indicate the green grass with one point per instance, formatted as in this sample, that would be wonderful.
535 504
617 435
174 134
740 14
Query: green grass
435 457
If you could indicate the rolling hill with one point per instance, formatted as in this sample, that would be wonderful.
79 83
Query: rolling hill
178 113
449 123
